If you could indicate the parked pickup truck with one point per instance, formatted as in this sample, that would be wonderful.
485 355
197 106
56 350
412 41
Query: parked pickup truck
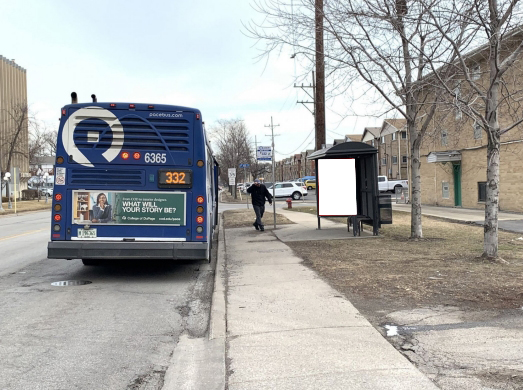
385 184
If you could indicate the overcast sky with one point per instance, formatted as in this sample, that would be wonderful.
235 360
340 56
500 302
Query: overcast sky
184 52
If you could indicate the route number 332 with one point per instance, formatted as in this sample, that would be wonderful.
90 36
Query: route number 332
159 158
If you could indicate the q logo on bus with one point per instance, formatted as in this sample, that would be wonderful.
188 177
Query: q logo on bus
92 112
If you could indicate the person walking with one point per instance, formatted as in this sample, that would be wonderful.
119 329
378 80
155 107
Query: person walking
258 193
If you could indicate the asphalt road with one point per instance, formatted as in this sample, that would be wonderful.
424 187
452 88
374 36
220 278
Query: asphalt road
118 332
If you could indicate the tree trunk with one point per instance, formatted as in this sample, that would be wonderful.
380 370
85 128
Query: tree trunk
490 237
415 184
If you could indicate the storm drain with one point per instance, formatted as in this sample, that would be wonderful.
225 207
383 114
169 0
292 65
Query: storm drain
71 283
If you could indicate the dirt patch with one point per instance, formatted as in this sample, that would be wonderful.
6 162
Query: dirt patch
245 218
442 268
226 197
27 205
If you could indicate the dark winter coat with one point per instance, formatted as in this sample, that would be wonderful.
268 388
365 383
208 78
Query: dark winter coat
258 194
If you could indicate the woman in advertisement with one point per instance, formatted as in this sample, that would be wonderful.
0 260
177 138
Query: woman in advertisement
102 211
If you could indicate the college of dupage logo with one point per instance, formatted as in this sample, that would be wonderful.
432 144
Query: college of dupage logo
92 112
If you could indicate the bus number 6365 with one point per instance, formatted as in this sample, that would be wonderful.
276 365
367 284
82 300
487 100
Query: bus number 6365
159 158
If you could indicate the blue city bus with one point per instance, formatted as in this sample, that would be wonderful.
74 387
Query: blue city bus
133 181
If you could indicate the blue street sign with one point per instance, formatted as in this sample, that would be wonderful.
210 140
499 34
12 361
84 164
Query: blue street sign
244 165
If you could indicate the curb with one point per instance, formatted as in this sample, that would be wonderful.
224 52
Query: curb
199 363
218 320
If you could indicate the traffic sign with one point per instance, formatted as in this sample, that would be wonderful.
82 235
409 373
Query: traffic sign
244 165
232 173
264 153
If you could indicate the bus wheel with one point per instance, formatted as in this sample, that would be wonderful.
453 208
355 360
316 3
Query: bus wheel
91 261
209 256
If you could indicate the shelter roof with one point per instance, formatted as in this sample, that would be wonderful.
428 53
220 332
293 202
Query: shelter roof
346 149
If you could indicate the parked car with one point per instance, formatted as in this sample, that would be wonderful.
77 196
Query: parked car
239 186
48 191
384 184
310 184
289 189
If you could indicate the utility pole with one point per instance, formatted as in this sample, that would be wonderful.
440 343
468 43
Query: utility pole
273 154
320 77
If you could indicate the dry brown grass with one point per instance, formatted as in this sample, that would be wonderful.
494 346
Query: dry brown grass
442 268
226 197
245 218
27 205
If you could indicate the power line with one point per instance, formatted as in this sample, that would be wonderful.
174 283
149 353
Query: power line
300 144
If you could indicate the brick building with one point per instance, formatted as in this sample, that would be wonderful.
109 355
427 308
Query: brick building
391 140
454 150
13 95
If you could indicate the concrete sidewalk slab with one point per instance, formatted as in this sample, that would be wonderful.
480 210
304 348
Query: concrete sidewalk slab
510 222
288 329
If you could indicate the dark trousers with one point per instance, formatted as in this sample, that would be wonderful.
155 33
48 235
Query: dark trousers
259 210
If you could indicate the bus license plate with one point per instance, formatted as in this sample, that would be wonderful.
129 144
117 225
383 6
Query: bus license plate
91 233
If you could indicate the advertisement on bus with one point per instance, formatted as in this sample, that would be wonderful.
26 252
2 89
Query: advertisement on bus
129 208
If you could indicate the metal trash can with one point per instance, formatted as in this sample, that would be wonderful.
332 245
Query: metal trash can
385 209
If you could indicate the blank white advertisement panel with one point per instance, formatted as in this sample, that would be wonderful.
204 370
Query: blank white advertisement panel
337 187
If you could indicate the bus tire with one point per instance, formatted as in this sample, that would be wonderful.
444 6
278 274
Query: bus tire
209 256
91 261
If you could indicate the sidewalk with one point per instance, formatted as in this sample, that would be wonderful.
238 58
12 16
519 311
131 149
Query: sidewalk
285 328
512 222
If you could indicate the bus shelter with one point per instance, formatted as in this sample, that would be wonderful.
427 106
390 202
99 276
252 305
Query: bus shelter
347 186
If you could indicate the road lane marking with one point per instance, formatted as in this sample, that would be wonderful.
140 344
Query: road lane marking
23 234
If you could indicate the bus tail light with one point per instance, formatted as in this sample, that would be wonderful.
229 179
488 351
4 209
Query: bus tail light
199 209
150 107
200 199
132 106
137 155
57 217
198 116
58 197
57 207
64 112
199 229
56 228
199 219
125 155
112 105
199 163
59 160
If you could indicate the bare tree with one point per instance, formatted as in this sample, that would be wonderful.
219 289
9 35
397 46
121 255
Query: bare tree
383 47
496 30
16 121
232 140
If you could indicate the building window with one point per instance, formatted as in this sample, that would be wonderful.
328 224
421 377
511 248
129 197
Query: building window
383 139
475 72
394 159
394 136
404 159
477 130
482 191
372 142
384 161
444 138
403 135
445 190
